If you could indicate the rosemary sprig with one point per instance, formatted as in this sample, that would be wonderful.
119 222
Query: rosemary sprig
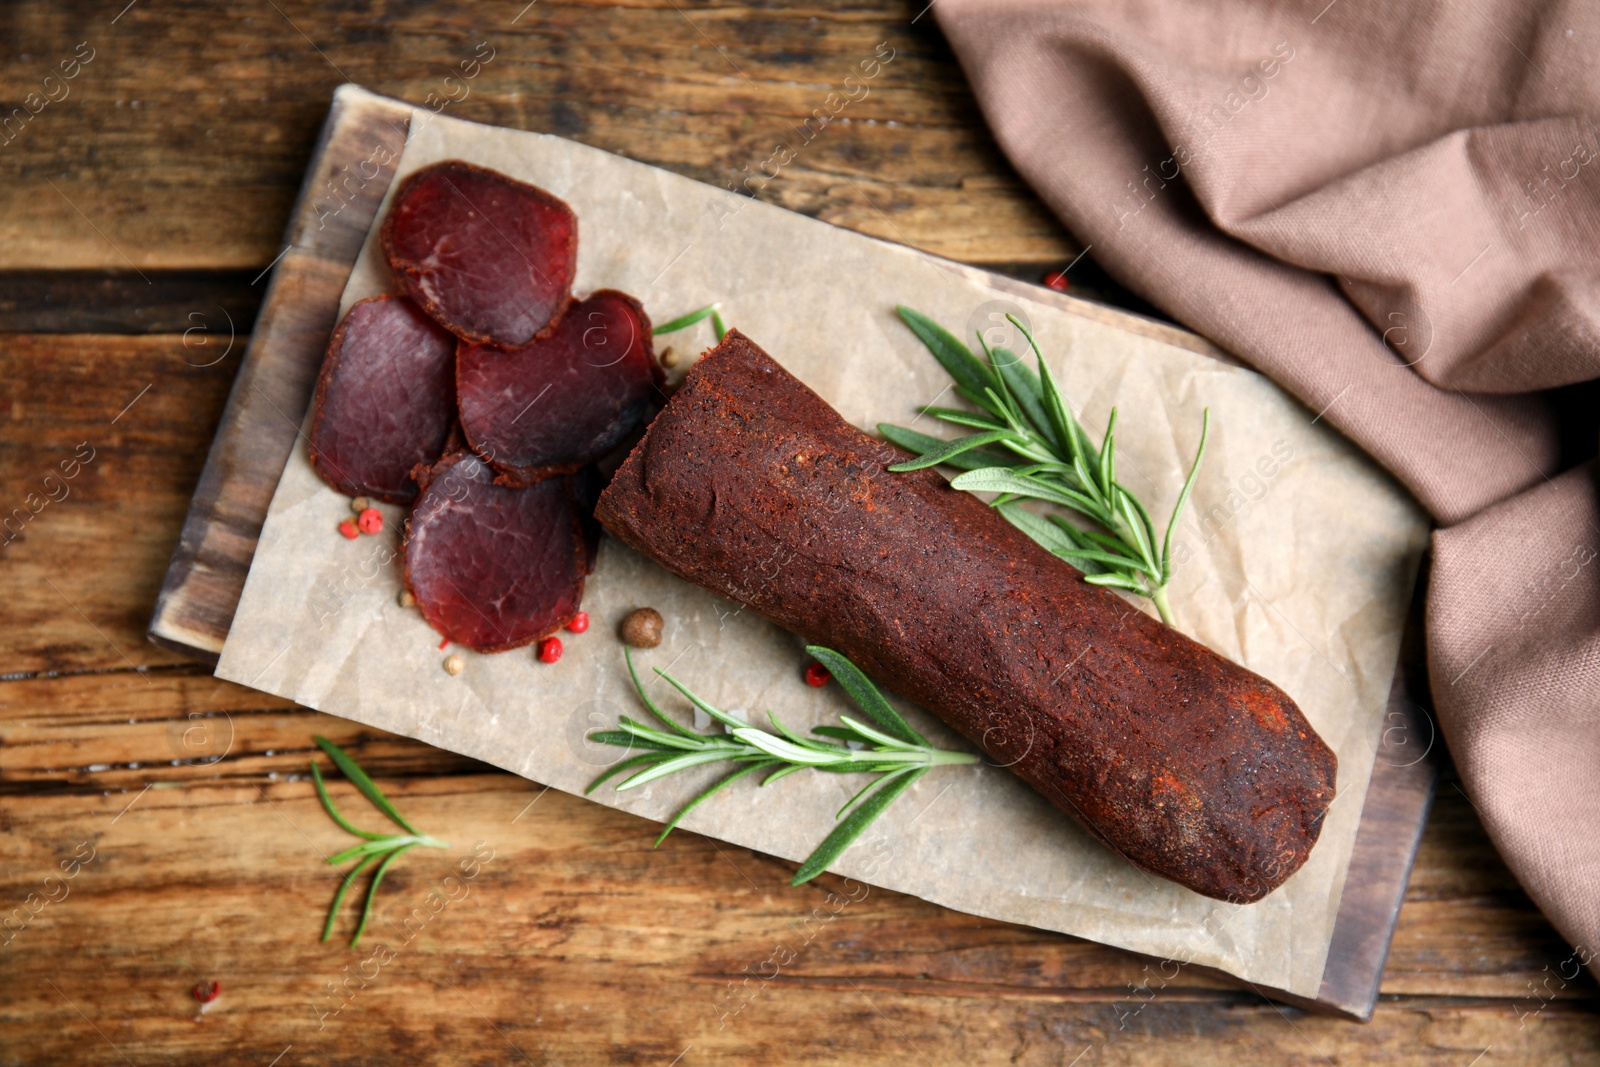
710 311
890 749
382 849
685 321
1028 444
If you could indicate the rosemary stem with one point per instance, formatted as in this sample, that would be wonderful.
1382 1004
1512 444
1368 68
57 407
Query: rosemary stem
1159 595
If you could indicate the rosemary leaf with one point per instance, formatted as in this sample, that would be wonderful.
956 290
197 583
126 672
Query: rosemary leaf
644 696
783 772
949 449
1000 480
1111 559
1107 457
678 763
1088 538
716 787
716 713
338 897
606 737
966 418
1023 385
369 848
955 357
783 749
359 779
1183 498
865 694
845 834
789 735
1062 424
981 398
372 891
327 804
717 323
1118 580
1040 529
684 321
869 787
883 740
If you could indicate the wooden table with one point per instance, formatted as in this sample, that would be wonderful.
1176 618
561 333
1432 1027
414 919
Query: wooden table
141 210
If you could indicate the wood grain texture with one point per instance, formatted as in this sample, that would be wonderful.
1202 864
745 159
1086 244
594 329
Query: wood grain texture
182 142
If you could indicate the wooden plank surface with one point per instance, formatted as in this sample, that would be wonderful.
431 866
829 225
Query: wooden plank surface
152 161
578 944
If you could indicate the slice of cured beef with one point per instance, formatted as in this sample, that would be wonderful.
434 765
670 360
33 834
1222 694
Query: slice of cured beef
565 400
385 400
492 567
489 257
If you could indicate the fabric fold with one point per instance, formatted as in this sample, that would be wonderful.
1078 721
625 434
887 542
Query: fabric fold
1394 212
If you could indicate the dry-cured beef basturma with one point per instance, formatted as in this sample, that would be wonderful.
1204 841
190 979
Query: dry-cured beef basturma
494 568
489 257
565 400
385 400
1188 765
503 533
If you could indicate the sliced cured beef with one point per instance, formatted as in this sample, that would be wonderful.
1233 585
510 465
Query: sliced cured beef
491 567
565 400
489 257
587 485
1187 764
385 401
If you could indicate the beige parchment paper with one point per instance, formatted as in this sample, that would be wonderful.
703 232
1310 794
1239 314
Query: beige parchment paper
1298 557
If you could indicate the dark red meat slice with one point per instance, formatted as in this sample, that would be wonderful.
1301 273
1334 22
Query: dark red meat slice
587 485
489 257
565 400
385 400
494 568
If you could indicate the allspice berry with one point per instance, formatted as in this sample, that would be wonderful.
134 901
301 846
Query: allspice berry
642 628
454 665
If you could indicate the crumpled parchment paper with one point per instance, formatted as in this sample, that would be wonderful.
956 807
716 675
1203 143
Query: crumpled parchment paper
1297 557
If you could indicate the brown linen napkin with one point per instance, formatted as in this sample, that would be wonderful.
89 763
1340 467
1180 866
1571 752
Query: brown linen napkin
1394 211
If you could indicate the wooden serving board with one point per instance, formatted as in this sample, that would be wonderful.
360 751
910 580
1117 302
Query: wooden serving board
360 143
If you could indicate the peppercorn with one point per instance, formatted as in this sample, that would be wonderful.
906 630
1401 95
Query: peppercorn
550 650
579 622
370 521
454 665
1057 280
669 358
817 675
348 528
360 504
642 628
406 599
206 992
